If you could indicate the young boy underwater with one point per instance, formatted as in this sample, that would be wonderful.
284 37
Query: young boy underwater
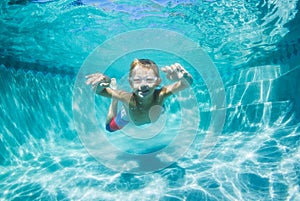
145 104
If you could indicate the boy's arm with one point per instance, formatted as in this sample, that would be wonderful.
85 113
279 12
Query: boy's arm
120 95
100 84
176 73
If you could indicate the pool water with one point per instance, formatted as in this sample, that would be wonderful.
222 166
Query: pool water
255 47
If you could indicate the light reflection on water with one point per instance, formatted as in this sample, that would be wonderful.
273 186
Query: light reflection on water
46 159
41 156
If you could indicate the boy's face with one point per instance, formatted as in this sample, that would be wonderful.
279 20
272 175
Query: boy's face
143 81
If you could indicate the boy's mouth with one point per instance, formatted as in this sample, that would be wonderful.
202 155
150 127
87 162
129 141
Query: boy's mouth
143 92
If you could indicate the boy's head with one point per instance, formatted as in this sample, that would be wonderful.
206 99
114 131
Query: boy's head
144 76
144 63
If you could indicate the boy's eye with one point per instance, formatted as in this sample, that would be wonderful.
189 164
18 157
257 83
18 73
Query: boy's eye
137 80
151 80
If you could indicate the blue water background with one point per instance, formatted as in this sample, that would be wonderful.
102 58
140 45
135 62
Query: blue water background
255 46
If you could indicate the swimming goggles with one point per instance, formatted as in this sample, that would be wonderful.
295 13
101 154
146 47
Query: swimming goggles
147 80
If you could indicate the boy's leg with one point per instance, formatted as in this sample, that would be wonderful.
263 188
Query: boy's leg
113 108
115 120
112 111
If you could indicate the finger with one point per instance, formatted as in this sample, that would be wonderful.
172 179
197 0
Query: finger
97 80
165 69
92 75
89 76
168 69
173 68
90 80
177 67
180 68
95 85
87 81
113 83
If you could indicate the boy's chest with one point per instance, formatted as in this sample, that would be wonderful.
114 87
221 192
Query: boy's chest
145 114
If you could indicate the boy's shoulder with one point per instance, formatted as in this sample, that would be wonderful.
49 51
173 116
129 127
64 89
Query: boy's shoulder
161 92
158 90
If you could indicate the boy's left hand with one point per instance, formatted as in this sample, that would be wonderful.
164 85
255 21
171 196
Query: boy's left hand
175 72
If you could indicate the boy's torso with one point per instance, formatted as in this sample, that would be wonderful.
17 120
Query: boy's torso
145 113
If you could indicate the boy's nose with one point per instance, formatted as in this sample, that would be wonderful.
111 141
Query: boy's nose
144 86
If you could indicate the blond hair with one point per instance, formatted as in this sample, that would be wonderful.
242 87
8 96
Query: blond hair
145 63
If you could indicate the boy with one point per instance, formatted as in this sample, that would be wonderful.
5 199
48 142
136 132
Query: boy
144 104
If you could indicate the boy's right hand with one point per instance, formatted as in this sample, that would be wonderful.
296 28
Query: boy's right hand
98 81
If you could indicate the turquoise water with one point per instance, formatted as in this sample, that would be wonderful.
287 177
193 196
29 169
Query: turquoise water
254 45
